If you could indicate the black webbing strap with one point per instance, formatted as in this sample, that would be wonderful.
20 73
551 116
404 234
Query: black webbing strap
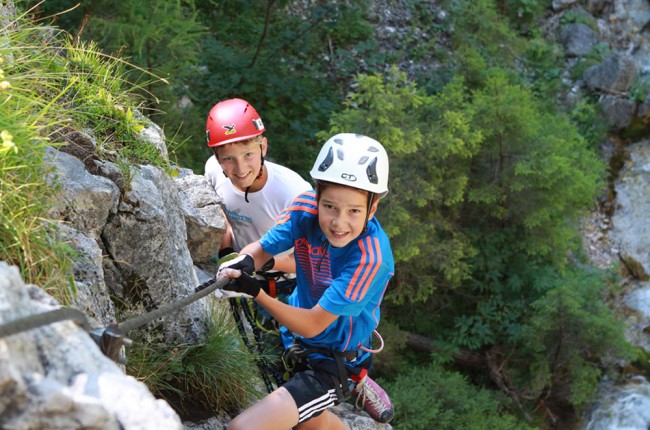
276 283
299 352
275 288
236 309
257 334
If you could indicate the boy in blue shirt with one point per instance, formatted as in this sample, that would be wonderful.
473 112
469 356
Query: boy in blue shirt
343 264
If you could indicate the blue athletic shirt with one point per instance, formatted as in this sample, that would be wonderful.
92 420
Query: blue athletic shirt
349 281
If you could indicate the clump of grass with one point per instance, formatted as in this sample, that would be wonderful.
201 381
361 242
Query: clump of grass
27 238
103 98
199 380
51 85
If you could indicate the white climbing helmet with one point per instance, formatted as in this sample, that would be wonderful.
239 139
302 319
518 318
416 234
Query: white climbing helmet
354 160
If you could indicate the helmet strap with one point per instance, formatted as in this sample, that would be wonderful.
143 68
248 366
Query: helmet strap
371 199
325 245
259 176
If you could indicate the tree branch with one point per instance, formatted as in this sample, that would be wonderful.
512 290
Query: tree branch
267 18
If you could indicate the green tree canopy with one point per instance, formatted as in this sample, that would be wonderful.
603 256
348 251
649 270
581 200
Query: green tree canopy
430 142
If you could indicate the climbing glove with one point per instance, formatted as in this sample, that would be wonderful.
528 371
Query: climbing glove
244 286
243 262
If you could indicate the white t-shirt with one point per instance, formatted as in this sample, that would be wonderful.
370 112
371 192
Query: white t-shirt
249 221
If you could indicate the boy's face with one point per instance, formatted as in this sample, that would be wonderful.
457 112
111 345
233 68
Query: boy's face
342 213
242 161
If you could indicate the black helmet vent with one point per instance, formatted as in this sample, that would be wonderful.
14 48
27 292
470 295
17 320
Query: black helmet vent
371 171
327 162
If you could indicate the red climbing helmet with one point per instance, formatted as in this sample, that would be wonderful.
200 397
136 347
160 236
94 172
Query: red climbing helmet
231 121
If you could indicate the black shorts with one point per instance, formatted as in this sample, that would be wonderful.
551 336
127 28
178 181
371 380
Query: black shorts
314 388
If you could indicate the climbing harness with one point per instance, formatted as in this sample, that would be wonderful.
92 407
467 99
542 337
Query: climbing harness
297 354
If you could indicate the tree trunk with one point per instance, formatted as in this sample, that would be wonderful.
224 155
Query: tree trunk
462 358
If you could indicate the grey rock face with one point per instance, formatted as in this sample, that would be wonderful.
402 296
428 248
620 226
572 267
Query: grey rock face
56 377
204 219
84 200
613 76
630 220
578 39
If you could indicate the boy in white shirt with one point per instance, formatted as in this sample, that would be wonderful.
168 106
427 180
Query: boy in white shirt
253 190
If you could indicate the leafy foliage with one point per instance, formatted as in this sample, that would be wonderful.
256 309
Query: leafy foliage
522 13
534 171
478 26
590 120
570 336
429 140
430 397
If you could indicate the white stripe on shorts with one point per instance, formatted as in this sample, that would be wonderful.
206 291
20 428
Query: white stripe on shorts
319 404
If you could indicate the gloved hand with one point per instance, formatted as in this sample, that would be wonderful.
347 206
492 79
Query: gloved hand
243 286
243 262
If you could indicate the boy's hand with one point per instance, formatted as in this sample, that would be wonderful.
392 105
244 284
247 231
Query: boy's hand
243 262
241 285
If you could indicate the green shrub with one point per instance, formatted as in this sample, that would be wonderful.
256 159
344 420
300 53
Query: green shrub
432 398
569 337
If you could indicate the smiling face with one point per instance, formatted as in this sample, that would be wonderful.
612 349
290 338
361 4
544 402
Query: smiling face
241 162
342 213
